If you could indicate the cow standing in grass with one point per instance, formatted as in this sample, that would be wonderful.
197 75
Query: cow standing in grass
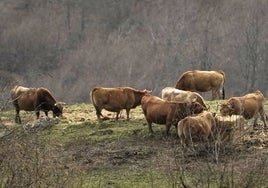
34 99
196 128
159 111
115 99
248 106
203 81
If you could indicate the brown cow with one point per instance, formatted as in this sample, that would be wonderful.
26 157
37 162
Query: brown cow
115 99
203 81
196 128
159 111
247 106
34 99
173 94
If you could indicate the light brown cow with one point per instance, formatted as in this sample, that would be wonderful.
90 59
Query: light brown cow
196 128
115 99
159 111
203 81
227 128
247 106
34 99
173 94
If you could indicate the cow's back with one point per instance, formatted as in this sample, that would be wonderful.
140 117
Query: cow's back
106 97
201 81
115 99
23 98
207 80
44 95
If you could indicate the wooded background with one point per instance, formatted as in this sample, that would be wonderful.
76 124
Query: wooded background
70 46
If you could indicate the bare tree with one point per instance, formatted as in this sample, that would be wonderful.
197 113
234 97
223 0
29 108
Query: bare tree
251 50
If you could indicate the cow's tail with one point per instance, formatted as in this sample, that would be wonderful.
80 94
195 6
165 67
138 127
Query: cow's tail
92 97
223 92
223 74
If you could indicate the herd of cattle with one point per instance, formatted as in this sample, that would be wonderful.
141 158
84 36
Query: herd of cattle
181 105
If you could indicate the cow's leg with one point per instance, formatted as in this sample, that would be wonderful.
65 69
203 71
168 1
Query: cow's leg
263 116
223 93
99 114
150 127
128 110
37 114
17 108
17 117
213 95
216 94
117 115
168 125
183 140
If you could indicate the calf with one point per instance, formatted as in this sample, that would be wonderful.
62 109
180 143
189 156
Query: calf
196 128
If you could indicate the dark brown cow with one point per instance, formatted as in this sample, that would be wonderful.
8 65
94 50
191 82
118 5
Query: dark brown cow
159 111
34 99
203 81
247 106
115 99
173 94
196 128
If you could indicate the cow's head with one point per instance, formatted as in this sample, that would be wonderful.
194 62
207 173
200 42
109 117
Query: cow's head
196 107
57 109
227 109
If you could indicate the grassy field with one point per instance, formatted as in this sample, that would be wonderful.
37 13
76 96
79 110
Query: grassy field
78 151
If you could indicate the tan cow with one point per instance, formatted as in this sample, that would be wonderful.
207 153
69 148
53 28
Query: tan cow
203 81
248 106
196 128
34 99
173 94
115 99
228 128
159 111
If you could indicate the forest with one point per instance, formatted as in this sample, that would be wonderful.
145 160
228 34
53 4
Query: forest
70 46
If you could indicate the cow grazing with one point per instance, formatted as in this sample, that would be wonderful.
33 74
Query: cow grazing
227 128
247 106
159 111
196 128
34 99
173 94
115 99
203 81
